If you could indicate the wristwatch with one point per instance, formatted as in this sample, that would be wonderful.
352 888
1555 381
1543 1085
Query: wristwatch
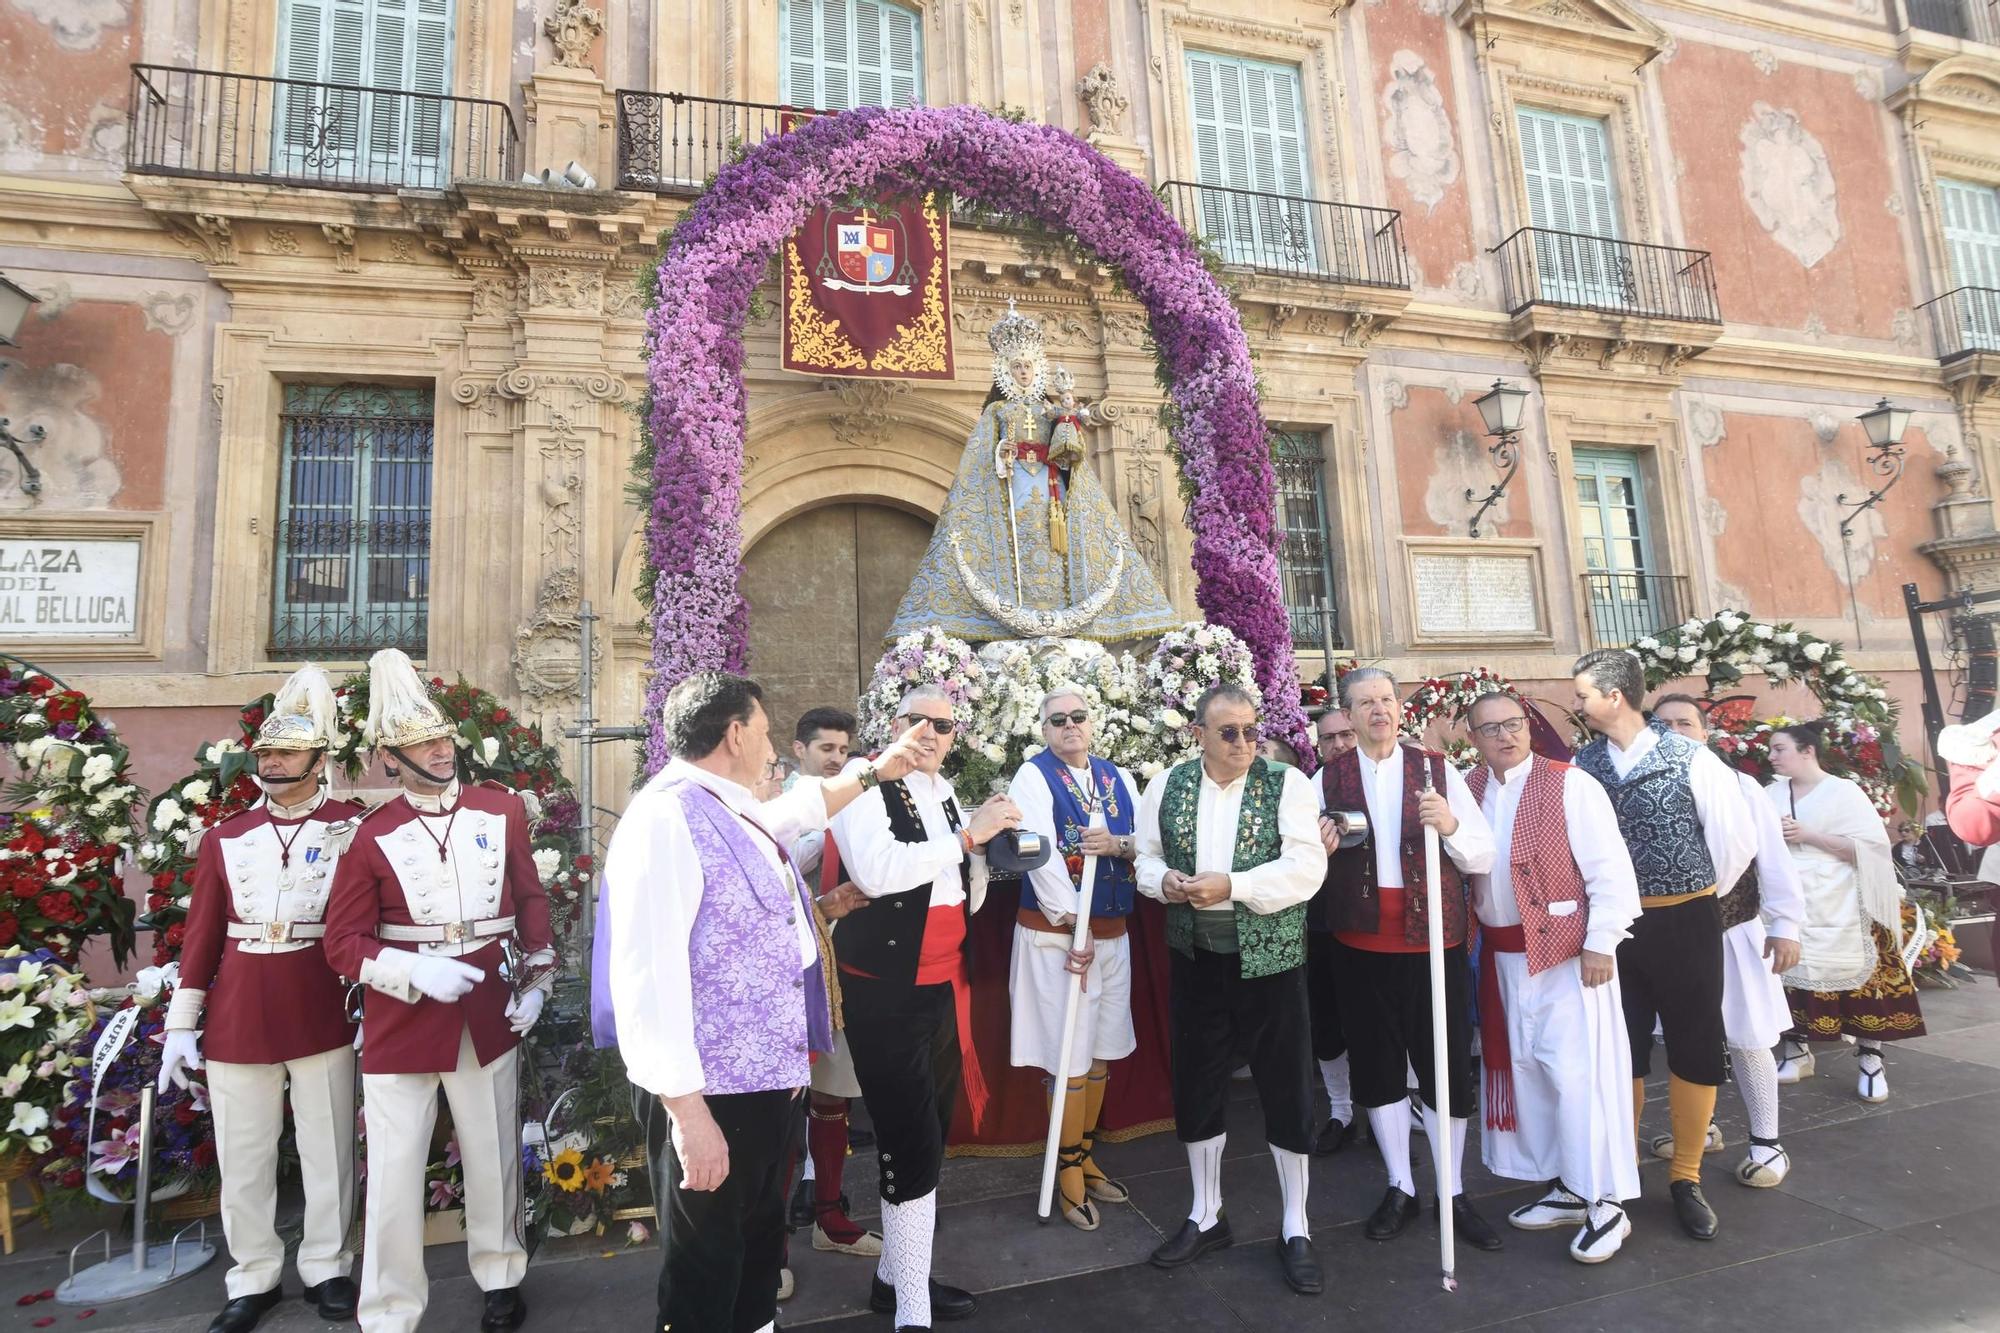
870 779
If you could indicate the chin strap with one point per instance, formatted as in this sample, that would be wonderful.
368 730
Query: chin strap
292 780
442 779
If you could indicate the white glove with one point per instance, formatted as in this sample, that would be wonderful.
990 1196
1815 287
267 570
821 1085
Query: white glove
523 1010
444 979
180 1053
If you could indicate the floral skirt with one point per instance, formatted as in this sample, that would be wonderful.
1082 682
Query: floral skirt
1883 1009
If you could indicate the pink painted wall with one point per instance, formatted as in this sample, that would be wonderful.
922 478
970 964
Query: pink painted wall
1423 156
100 360
1422 476
68 82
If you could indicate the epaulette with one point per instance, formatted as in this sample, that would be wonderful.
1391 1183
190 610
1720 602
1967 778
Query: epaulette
373 811
193 844
340 835
494 784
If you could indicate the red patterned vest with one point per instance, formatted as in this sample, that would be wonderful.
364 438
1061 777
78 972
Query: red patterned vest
1354 903
1541 864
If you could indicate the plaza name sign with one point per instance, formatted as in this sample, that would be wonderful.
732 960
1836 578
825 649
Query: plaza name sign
69 589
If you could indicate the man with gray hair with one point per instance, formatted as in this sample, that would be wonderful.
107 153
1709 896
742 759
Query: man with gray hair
1058 790
922 864
1691 838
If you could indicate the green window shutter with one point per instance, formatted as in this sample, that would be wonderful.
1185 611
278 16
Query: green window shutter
838 54
392 45
1971 215
1625 588
1249 135
430 72
1566 167
905 36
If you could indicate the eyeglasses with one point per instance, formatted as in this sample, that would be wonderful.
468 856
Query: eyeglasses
1076 719
1232 733
1506 726
941 725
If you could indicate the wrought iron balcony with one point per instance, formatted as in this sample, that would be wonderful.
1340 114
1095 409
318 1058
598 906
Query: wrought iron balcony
1965 321
1308 238
329 136
1624 608
671 143
1540 266
1967 20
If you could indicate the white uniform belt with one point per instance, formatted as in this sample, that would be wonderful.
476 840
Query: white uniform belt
276 932
451 932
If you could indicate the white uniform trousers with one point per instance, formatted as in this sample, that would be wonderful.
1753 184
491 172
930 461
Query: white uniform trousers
1755 1012
1039 986
486 1120
1572 1065
248 1103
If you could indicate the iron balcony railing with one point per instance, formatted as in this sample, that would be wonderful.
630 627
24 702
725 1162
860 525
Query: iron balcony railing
1965 321
1624 608
1968 20
1540 266
334 136
671 143
1278 233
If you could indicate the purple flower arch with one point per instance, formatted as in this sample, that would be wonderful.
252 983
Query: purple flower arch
722 248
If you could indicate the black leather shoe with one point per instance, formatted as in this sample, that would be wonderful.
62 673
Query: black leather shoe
947 1303
1696 1217
1302 1273
1191 1242
1333 1138
799 1214
504 1310
1390 1218
1468 1226
334 1298
242 1314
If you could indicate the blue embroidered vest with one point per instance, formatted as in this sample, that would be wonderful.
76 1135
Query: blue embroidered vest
1656 813
1116 883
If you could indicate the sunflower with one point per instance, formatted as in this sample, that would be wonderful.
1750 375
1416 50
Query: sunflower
566 1171
597 1176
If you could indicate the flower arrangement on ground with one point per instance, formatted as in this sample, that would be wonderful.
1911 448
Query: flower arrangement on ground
62 851
692 455
44 1007
1937 962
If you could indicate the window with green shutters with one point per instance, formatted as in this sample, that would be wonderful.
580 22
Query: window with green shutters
364 131
1971 216
1566 166
1628 594
354 521
1305 539
1250 158
838 54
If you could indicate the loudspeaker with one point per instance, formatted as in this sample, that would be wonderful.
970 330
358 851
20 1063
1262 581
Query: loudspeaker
1982 665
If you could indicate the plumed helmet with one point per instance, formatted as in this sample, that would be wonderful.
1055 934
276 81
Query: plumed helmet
302 715
401 711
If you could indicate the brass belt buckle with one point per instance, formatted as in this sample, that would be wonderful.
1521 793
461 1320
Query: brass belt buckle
277 932
457 932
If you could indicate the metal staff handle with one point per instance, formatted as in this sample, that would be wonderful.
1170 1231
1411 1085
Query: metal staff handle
1441 1145
1059 1084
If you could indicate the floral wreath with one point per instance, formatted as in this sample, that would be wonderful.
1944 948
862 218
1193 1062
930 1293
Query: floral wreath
492 746
61 851
691 454
1449 699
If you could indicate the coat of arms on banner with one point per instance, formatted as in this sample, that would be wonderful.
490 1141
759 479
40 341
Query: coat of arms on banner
867 256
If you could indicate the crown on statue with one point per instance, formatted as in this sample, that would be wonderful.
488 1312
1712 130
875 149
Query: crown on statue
1014 334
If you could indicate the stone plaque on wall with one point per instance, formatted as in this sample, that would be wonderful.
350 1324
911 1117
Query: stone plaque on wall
79 585
1462 591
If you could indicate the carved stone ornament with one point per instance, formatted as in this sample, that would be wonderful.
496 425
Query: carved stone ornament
566 288
867 410
548 650
574 28
1103 98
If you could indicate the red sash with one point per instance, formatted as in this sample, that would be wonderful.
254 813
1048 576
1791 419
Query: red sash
1493 1050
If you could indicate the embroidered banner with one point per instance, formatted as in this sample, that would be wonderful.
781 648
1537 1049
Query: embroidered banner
867 292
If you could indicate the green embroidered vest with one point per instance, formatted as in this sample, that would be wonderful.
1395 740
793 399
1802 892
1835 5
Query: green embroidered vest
1267 944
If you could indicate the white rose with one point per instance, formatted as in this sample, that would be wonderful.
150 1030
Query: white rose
167 814
1172 719
1688 653
194 793
547 861
1648 645
1815 651
1730 624
1781 669
1762 631
149 851
1760 655
97 770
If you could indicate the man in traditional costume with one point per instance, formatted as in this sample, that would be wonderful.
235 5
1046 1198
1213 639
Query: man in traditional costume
820 743
1380 917
439 880
276 1013
1230 842
1682 816
1058 790
922 864
1850 980
1028 544
1760 942
718 983
1334 734
1552 912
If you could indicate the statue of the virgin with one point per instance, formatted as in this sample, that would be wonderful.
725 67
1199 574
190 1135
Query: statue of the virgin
1028 546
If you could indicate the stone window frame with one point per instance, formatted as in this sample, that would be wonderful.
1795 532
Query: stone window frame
1952 117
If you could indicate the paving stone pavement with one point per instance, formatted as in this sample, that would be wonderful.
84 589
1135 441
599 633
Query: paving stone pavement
1890 1221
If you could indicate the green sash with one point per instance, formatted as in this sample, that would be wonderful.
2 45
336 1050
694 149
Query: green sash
1266 944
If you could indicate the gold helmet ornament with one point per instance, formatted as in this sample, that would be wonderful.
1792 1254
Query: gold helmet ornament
302 714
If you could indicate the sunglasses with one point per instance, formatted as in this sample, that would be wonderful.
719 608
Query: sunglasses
1506 726
941 725
1232 733
1076 719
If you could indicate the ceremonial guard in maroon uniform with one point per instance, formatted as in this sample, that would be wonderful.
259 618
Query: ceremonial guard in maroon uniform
253 960
438 878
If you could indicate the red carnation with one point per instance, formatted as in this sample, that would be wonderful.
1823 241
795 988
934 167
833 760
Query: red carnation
499 715
64 707
164 881
585 862
204 1154
39 685
156 901
176 933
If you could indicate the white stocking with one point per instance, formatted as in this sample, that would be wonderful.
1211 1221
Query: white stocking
1333 1073
1391 1127
1205 1170
1460 1126
1756 1073
1292 1180
907 1232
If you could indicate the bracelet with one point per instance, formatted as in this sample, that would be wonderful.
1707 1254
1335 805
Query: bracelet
965 841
